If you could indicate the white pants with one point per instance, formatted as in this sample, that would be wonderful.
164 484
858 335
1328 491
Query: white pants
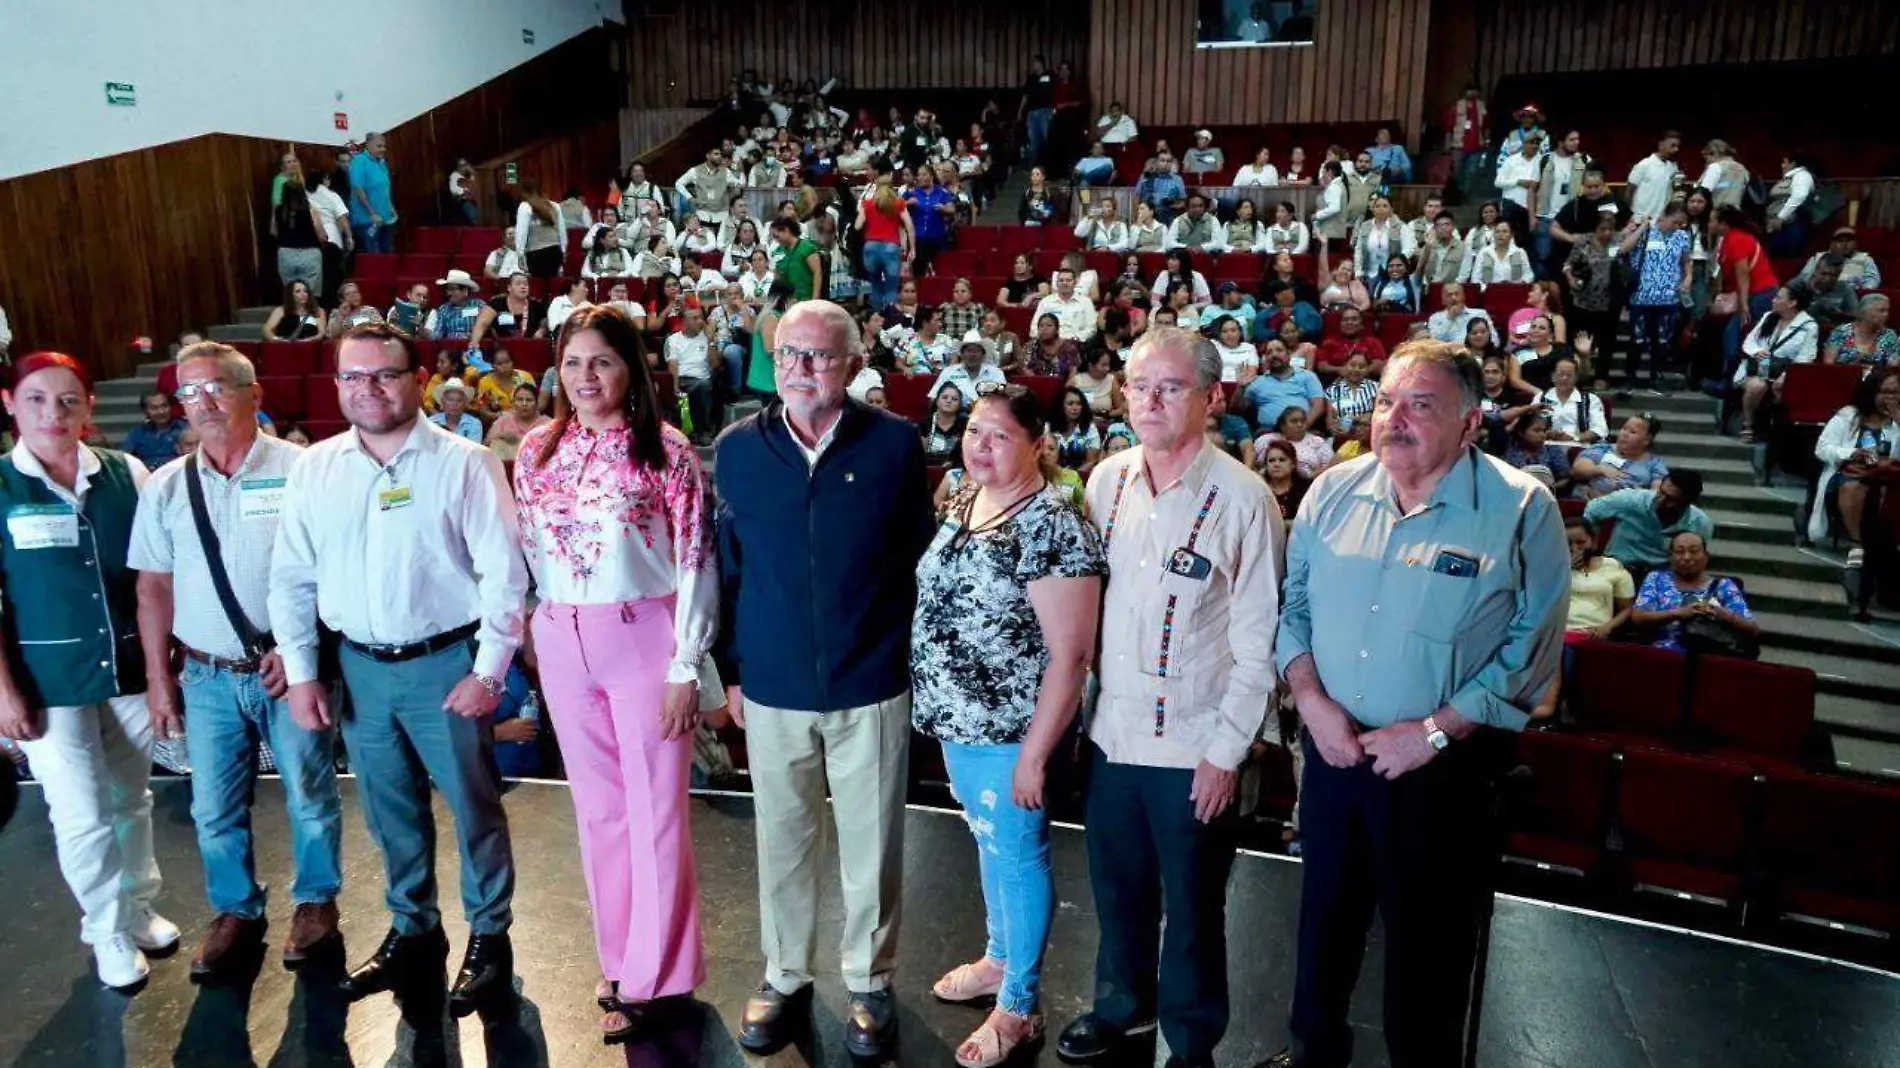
95 764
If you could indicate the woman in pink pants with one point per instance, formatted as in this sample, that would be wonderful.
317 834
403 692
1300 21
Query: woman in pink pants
617 534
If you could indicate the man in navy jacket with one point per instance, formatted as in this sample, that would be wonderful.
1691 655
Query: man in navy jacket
824 511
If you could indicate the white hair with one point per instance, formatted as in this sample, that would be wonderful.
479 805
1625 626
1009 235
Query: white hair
235 364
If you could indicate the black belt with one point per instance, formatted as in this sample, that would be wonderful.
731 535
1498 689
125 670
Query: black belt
247 666
396 654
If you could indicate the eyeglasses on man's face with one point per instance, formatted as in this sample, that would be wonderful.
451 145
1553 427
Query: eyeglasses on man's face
208 391
786 357
385 378
1169 392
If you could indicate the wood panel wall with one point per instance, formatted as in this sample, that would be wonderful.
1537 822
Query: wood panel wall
1367 63
686 53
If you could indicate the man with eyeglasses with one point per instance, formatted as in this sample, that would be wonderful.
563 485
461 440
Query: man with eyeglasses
233 682
403 536
1195 549
824 512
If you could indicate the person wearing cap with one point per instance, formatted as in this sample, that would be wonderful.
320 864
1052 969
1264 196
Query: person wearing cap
1528 119
1858 269
454 416
1389 157
72 681
1204 158
455 318
974 373
404 537
233 682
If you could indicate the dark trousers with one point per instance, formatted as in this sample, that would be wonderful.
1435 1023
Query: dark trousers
1422 851
1602 328
1148 856
544 262
1653 336
1512 212
334 267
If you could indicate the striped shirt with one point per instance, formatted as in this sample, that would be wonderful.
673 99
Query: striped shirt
1353 403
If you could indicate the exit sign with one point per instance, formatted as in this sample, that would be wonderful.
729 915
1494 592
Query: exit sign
508 174
527 36
121 94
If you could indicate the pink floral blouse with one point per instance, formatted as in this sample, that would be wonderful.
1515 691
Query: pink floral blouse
598 529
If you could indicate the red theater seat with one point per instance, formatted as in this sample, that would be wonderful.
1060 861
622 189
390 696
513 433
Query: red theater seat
377 265
908 395
1749 711
1046 388
1014 239
1016 319
1560 825
419 264
958 262
1831 851
435 241
1237 267
936 289
1060 238
1625 690
319 398
978 238
289 357
1501 299
1394 326
1684 824
1813 392
533 355
283 397
318 429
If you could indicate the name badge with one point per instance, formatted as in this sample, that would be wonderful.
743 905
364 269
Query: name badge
1616 460
1657 245
260 498
1457 565
1189 564
1298 363
505 319
395 497
43 526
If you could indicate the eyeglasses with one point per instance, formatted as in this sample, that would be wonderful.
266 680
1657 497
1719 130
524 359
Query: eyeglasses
1166 392
786 357
384 378
191 391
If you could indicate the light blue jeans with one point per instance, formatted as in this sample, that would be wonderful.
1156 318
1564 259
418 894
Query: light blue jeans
883 262
1012 847
226 715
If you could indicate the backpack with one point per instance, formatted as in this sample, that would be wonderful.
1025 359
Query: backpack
1823 202
1755 194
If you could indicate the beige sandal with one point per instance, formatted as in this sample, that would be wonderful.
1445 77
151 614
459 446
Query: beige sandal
964 984
992 1046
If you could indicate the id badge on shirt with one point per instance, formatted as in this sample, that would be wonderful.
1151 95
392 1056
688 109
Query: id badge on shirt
505 319
1616 461
43 526
1656 246
395 497
260 498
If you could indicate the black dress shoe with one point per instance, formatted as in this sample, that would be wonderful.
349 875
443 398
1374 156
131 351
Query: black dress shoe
1089 1038
772 1018
870 1022
487 975
399 959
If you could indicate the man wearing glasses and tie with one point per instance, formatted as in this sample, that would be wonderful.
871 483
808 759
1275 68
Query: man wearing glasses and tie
824 512
404 537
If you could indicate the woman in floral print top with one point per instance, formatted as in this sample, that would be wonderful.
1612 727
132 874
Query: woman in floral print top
616 530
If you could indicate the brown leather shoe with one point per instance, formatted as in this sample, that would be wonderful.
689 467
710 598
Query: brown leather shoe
227 936
311 929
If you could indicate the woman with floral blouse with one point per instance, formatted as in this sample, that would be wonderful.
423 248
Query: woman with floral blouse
1007 599
616 529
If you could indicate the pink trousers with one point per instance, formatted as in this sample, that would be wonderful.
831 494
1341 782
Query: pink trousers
603 670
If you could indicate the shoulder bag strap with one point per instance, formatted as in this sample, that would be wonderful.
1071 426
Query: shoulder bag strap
255 643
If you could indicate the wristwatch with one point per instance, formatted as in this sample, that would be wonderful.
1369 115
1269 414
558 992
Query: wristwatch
1437 738
491 684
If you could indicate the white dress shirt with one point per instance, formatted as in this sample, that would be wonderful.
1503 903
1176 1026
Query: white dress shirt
502 263
1513 170
1112 131
1076 315
1579 414
244 510
560 308
1332 201
1650 183
332 212
396 553
1252 175
691 354
1800 188
967 384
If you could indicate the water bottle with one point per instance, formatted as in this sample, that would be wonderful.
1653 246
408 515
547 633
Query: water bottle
531 706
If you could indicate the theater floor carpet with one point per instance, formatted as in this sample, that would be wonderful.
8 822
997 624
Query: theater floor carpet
1567 989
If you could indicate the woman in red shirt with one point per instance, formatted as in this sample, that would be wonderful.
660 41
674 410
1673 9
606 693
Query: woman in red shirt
1745 271
888 240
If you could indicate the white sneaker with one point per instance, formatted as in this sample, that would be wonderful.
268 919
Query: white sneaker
1856 557
121 964
150 931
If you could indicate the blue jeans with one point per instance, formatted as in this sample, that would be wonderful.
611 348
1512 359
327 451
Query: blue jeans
734 367
1540 247
374 237
883 262
1094 171
1038 122
226 715
1759 304
1012 849
400 740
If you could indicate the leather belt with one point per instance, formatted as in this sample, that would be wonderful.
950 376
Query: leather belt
396 654
249 666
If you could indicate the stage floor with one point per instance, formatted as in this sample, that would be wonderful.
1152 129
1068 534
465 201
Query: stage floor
1566 989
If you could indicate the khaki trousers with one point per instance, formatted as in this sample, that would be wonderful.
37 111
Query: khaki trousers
863 754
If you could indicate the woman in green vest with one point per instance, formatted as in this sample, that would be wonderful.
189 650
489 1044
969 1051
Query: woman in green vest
72 682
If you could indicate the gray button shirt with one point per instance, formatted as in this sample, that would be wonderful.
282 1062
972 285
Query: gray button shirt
1460 602
244 510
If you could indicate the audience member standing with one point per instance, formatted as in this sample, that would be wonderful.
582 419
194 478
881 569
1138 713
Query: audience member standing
202 544
617 534
72 682
1652 181
404 536
1036 109
824 512
540 231
298 229
1194 548
372 212
1425 600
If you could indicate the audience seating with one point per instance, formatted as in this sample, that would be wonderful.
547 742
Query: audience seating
436 241
533 355
1560 824
278 358
284 397
1682 823
376 265
1756 713
1830 849
1813 392
1626 692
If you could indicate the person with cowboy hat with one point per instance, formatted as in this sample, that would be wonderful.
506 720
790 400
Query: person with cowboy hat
1529 125
454 319
976 372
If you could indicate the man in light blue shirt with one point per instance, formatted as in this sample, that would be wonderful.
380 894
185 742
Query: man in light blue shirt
1390 159
1422 619
1280 387
1162 189
372 212
1647 520
454 415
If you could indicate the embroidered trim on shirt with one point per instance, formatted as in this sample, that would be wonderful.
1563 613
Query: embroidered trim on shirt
1167 616
1201 519
1161 715
1108 528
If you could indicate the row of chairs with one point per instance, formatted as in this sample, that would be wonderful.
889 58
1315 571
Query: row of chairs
1778 846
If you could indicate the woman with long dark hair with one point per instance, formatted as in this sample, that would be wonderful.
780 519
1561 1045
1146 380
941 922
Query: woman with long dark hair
540 231
298 318
299 232
616 528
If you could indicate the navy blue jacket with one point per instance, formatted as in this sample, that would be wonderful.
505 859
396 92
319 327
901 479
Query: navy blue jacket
819 565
